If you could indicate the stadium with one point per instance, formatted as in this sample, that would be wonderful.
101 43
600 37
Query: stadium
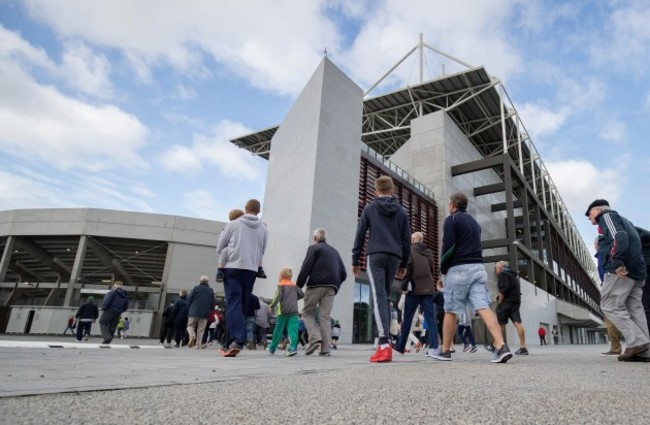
457 132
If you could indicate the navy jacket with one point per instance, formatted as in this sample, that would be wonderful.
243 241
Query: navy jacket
621 245
389 228
201 301
168 314
116 299
461 241
322 266
181 310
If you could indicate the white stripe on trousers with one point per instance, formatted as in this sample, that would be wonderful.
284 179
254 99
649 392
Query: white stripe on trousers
380 326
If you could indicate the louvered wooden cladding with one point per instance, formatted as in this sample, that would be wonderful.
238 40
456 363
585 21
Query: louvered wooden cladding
422 211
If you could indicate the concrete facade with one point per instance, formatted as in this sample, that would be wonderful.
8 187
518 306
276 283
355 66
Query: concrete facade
190 253
312 181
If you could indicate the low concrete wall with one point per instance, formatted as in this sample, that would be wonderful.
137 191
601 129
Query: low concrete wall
53 320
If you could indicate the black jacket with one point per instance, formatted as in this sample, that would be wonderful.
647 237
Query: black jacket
322 266
88 311
181 310
168 314
419 272
116 299
201 301
621 245
644 235
390 232
508 285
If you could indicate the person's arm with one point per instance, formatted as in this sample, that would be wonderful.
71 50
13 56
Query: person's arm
307 265
501 287
359 240
224 237
108 300
406 242
344 274
448 244
621 243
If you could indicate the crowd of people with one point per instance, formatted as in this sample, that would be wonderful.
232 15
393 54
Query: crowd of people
437 307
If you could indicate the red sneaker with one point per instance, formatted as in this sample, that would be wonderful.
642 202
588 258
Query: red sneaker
382 355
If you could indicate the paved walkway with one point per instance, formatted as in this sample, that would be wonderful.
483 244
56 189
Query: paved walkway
150 384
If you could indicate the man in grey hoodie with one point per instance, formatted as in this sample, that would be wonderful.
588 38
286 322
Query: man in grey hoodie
245 240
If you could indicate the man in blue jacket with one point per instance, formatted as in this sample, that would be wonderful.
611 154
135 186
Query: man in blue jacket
201 303
625 274
388 251
323 272
115 303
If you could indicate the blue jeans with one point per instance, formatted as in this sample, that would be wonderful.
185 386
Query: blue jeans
250 328
381 273
238 286
411 303
466 335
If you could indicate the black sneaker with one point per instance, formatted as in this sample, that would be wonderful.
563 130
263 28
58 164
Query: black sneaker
445 356
501 355
522 352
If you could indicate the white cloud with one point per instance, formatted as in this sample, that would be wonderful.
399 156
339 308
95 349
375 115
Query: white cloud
39 122
26 188
541 120
580 182
613 130
86 71
213 149
624 42
204 205
277 51
473 31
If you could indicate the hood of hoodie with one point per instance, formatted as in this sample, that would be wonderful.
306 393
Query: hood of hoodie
387 205
421 248
121 292
251 221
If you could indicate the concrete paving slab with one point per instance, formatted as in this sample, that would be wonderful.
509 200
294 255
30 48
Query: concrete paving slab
554 384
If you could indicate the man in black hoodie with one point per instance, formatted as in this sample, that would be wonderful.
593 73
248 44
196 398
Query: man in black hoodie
509 302
388 250
115 303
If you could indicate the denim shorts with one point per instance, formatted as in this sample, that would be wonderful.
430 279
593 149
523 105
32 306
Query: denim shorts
466 284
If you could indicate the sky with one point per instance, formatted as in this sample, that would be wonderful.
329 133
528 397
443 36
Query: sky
130 105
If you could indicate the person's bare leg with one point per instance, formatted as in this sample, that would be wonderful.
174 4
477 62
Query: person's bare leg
522 335
448 331
492 325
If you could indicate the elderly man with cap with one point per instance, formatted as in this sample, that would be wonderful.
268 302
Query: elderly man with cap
625 274
86 316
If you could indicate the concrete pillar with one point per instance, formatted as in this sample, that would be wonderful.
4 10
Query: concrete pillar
76 269
156 323
6 257
315 156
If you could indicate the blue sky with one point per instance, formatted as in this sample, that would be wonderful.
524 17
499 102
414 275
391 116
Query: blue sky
130 104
